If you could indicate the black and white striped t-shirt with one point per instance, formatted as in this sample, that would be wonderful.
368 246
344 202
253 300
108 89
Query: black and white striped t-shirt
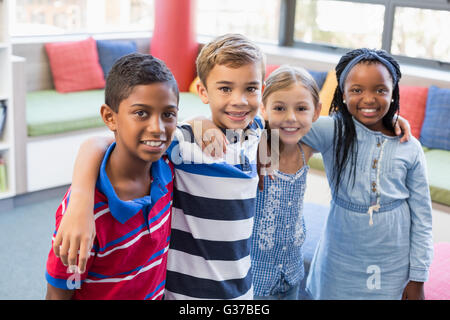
212 220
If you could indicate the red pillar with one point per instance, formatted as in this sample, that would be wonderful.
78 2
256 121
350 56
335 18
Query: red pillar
174 38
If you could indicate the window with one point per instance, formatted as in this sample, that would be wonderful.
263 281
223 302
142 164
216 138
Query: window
422 33
327 22
46 17
257 19
412 30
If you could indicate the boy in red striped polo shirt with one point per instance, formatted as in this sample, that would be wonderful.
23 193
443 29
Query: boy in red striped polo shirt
134 189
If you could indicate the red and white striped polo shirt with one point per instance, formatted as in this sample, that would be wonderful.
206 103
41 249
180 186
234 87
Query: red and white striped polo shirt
129 256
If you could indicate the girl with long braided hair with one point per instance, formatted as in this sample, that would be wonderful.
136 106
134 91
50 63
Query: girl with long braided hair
377 241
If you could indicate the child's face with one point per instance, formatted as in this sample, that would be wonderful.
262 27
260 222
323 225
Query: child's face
291 111
368 93
146 120
233 94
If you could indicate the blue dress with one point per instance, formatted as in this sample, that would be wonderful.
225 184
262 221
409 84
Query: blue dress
378 234
278 234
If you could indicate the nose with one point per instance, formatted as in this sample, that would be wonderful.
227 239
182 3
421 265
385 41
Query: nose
155 125
290 115
368 98
238 98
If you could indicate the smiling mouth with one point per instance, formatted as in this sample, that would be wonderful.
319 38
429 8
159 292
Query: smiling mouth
237 115
153 143
290 130
367 110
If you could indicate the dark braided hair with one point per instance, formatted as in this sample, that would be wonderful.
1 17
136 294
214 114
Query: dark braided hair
345 145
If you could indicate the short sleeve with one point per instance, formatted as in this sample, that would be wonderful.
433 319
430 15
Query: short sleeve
321 135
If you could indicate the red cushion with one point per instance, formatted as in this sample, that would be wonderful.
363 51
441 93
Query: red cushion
438 285
75 65
270 68
413 101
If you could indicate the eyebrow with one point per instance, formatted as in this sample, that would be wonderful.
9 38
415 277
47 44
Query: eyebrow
171 106
252 83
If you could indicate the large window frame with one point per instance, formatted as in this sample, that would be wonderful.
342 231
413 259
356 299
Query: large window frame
287 27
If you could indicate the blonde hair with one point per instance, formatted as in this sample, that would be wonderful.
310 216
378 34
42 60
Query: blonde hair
285 76
231 50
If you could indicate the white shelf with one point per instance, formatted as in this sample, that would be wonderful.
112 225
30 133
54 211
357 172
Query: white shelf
4 146
6 92
6 194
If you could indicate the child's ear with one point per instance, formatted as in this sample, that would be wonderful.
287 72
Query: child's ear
108 116
202 92
317 111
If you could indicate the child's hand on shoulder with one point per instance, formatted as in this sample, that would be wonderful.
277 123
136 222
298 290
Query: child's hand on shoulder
209 137
401 126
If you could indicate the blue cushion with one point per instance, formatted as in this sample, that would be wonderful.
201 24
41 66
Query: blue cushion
319 77
436 125
109 51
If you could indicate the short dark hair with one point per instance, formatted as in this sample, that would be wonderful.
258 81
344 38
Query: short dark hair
132 70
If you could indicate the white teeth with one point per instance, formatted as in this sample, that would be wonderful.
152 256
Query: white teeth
152 143
368 110
237 114
290 129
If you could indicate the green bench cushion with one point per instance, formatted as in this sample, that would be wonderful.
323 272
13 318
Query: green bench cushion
50 112
439 175
437 169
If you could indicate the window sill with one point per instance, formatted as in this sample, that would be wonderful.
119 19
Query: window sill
80 36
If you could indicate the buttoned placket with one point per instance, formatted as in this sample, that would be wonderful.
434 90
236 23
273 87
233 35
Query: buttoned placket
375 178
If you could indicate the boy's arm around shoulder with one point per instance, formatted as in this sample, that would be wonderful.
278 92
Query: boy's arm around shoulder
77 227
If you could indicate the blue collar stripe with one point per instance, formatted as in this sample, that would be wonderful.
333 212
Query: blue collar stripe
102 276
129 234
122 211
159 214
154 291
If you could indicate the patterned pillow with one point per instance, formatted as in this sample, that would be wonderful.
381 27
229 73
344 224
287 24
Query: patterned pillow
413 101
109 51
75 65
436 125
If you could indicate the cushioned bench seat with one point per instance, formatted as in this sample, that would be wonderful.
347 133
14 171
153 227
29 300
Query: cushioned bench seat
437 169
50 112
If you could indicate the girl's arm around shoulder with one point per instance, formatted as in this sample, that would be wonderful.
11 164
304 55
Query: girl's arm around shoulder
77 227
320 136
419 201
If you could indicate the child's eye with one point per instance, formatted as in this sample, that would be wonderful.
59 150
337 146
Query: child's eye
278 108
225 89
382 91
302 108
252 89
355 90
141 113
169 115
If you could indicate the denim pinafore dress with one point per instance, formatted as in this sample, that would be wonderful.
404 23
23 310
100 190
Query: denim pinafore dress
377 236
